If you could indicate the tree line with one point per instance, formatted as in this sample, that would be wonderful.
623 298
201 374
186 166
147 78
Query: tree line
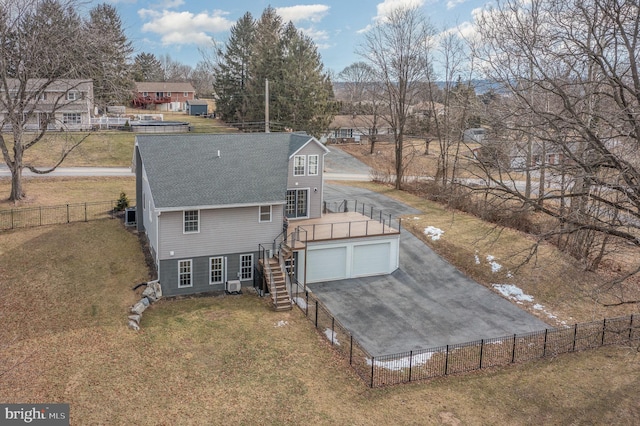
267 51
562 123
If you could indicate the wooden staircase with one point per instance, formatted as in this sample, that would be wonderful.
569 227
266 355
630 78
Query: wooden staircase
277 284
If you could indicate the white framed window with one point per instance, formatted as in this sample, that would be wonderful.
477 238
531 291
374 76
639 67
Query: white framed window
298 165
185 94
265 214
216 270
246 267
168 94
297 203
185 271
72 96
312 168
191 221
145 94
72 118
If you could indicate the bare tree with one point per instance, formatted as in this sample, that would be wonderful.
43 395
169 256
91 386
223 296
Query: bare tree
573 76
41 44
364 93
397 48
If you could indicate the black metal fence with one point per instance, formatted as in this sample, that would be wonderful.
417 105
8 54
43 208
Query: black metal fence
424 364
54 215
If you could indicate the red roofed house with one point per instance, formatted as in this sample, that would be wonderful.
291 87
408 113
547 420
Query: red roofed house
163 95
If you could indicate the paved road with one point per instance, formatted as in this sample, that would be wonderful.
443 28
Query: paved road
74 171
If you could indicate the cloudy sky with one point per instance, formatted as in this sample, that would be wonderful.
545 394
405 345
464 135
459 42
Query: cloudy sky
178 27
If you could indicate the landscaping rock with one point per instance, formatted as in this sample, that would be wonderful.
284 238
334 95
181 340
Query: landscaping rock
134 325
135 318
139 308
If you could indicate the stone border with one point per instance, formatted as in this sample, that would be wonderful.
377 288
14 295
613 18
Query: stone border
150 295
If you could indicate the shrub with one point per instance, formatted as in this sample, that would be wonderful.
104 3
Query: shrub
123 202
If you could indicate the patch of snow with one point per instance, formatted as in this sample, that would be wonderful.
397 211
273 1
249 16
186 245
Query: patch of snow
332 336
280 323
538 307
433 232
300 302
509 274
404 362
512 292
477 258
495 266
416 218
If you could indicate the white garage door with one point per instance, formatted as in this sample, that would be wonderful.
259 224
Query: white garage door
371 259
327 264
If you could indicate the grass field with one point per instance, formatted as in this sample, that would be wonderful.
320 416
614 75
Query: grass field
106 148
65 292
231 359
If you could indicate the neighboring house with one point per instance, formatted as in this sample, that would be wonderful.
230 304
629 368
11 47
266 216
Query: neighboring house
475 135
163 96
353 127
65 104
424 110
214 208
197 107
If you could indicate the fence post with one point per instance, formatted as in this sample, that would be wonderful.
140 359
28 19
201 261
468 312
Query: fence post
446 362
513 352
410 362
333 323
316 313
544 347
481 352
373 362
85 212
630 327
12 219
604 328
575 334
68 213
351 350
40 211
306 305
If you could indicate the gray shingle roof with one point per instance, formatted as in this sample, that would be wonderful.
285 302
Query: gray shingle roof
185 170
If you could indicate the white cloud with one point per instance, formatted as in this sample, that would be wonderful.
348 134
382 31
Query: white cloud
453 3
184 27
316 35
387 6
310 12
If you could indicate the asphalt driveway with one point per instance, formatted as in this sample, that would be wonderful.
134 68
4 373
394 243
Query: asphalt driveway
426 303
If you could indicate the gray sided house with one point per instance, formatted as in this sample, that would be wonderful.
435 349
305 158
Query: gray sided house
206 202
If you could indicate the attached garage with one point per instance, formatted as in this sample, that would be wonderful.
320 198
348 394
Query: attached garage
352 258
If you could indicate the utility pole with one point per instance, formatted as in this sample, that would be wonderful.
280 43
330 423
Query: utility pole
266 105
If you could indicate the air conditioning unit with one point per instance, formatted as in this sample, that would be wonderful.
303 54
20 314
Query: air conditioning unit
233 286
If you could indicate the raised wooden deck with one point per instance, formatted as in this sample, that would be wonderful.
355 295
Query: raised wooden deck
336 226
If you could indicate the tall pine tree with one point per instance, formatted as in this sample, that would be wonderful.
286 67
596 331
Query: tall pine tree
301 94
109 54
232 71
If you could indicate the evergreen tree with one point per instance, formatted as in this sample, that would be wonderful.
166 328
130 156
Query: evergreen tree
267 63
232 71
109 53
300 93
306 102
146 67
